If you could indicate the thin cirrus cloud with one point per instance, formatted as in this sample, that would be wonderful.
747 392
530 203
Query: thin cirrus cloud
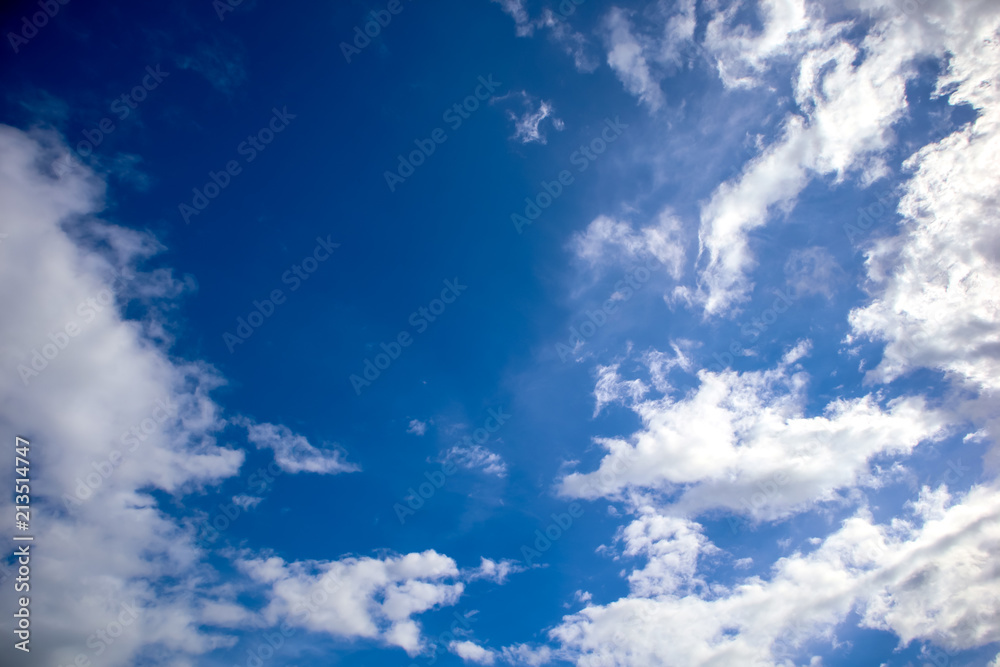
292 452
571 41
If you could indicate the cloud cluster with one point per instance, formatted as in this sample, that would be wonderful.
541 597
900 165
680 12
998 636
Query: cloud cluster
371 598
924 577
112 415
742 443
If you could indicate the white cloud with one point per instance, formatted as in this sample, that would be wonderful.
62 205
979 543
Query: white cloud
850 97
626 58
935 284
417 427
495 571
516 10
671 546
472 652
475 457
522 654
742 442
371 598
641 53
611 388
526 126
247 502
740 55
926 578
108 388
572 42
293 452
660 364
608 241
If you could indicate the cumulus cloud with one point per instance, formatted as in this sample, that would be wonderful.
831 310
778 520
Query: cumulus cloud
849 97
925 577
849 111
293 452
100 384
671 546
371 598
742 442
935 284
112 414
661 364
472 652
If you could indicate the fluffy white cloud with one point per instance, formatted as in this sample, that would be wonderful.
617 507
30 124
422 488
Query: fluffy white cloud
743 443
109 411
740 55
518 655
671 546
849 97
935 284
928 577
368 598
849 111
472 652
417 427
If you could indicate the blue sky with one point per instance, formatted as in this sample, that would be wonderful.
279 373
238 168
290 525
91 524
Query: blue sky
512 332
